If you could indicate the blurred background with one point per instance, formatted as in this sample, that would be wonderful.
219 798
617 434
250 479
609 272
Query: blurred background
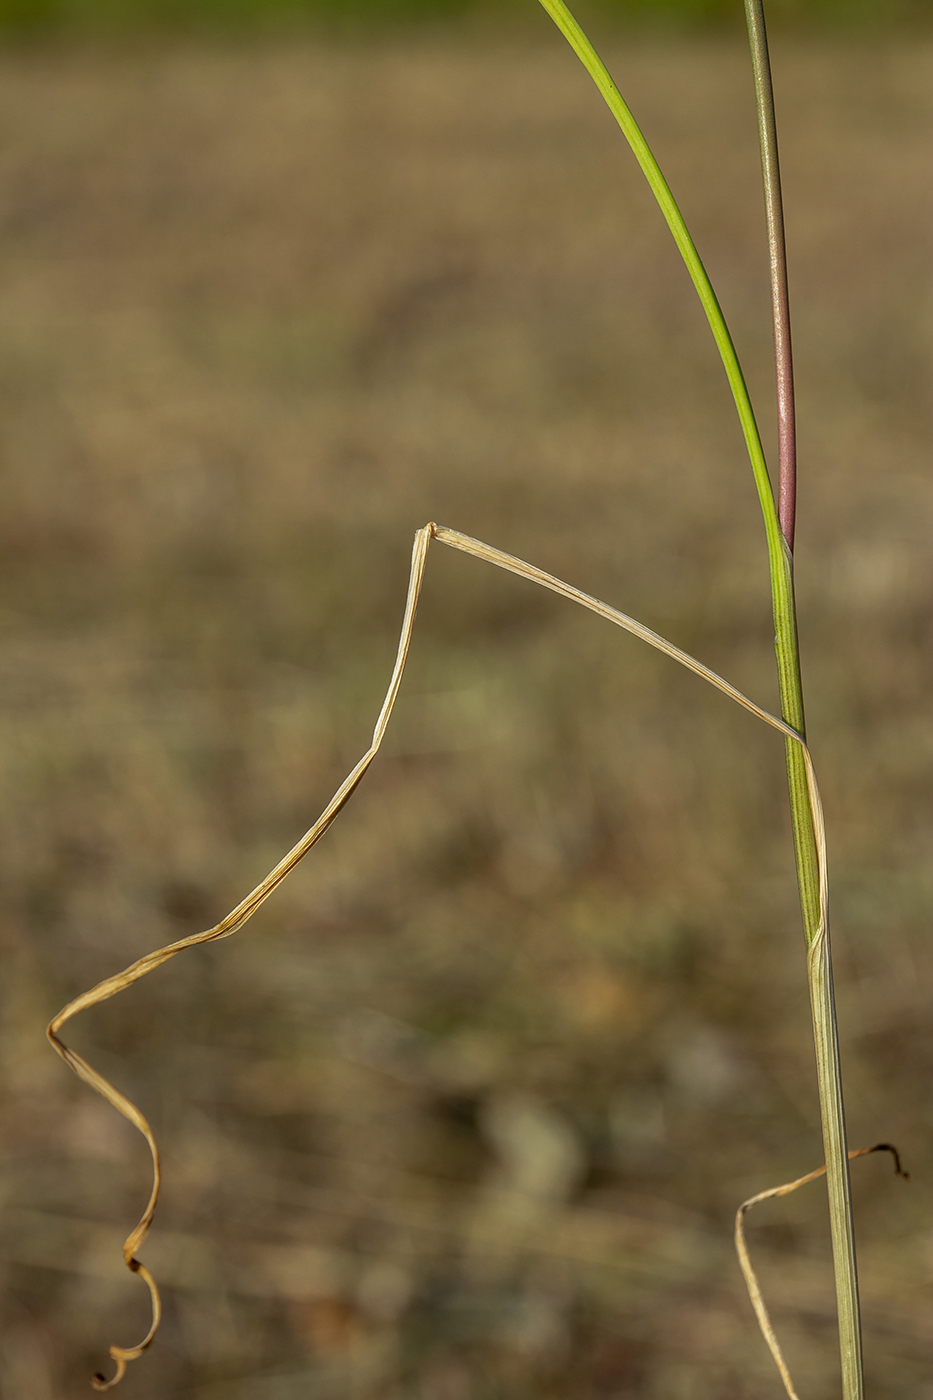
466 1112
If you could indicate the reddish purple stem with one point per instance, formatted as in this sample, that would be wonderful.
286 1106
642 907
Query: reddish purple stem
780 299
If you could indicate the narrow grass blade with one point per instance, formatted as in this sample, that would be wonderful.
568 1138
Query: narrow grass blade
238 916
227 926
787 651
661 190
741 1249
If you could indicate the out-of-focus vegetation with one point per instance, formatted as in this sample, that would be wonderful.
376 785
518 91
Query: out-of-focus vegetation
122 16
467 1110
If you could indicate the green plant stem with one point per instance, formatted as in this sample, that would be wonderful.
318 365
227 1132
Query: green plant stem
819 962
787 653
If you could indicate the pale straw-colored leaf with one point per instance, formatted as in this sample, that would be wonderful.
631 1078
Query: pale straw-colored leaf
741 1249
248 906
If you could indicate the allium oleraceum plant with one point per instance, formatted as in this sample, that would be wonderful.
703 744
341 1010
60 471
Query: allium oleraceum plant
778 512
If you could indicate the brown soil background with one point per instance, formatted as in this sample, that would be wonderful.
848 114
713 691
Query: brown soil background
467 1110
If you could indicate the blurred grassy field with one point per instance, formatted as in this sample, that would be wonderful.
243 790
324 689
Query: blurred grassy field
467 1111
94 17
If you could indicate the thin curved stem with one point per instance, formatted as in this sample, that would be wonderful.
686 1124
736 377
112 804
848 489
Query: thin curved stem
619 108
787 651
780 560
112 986
741 1248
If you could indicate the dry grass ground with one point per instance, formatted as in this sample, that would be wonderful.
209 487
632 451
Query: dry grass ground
466 1112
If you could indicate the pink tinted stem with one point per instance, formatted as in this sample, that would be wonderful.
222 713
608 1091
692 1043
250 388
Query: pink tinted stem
780 299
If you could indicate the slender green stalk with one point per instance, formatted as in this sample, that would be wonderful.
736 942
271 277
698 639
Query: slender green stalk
787 654
698 274
820 963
